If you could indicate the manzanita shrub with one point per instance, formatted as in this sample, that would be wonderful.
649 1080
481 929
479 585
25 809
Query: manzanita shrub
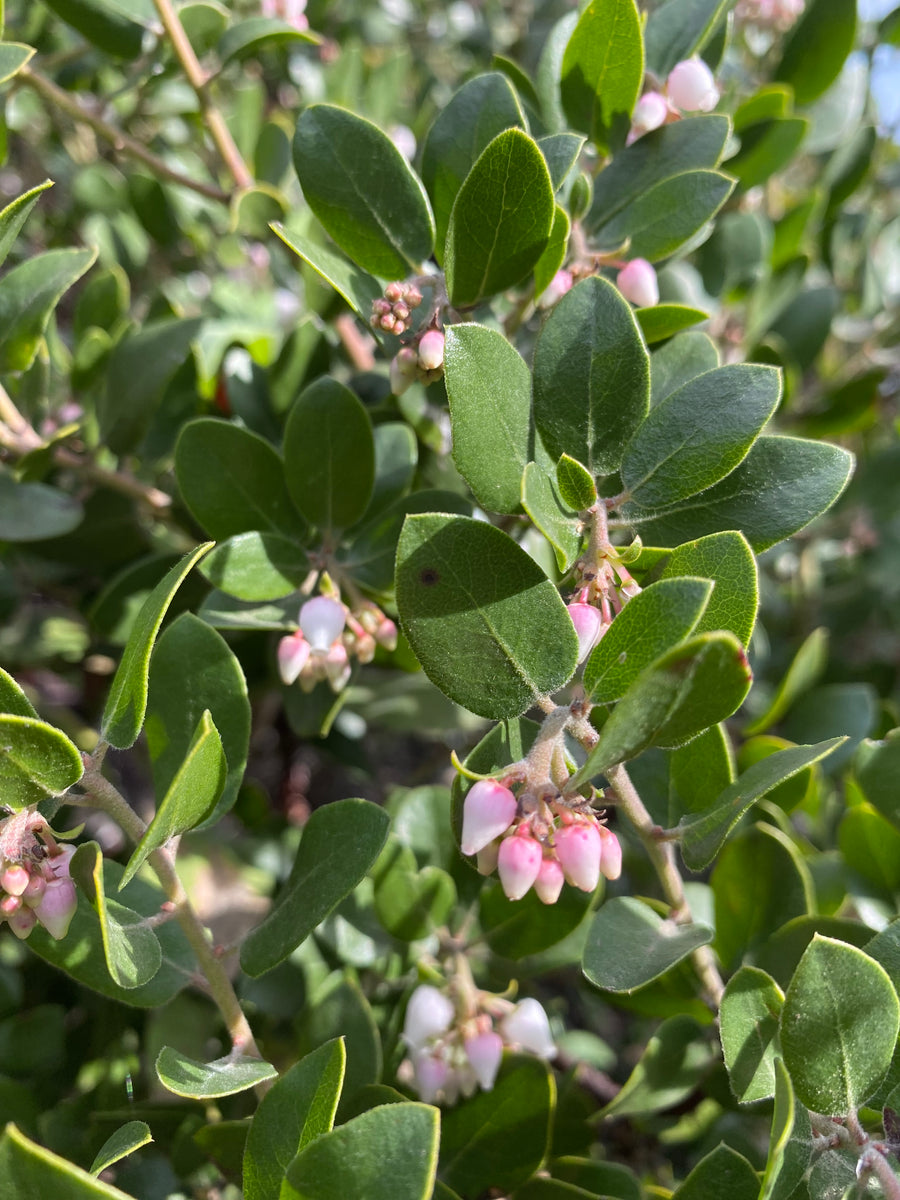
447 732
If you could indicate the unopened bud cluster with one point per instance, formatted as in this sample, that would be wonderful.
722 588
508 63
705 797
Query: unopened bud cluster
451 1055
392 311
533 842
422 361
35 887
330 635
689 88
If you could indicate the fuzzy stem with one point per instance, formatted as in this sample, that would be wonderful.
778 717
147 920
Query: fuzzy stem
662 856
107 798
197 78
872 1161
120 141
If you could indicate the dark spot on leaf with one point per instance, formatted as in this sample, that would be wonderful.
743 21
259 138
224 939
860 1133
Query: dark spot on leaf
429 576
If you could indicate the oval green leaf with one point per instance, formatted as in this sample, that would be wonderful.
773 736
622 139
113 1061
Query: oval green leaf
36 761
257 566
628 945
748 1018
30 1171
603 70
28 295
128 1138
209 1081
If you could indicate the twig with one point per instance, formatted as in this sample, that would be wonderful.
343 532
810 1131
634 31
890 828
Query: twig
198 79
120 141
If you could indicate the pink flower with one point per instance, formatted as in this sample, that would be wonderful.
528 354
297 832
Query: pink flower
57 907
322 622
432 1076
488 811
22 922
637 283
431 350
555 290
14 879
691 86
588 625
549 882
610 853
293 653
579 849
649 113
486 859
518 864
429 1013
527 1026
484 1052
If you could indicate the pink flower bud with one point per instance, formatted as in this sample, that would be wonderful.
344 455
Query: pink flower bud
10 905
365 647
429 1013
691 86
649 113
386 634
37 885
484 1052
518 863
578 848
486 859
610 853
401 312
637 283
14 880
431 350
403 370
555 289
388 324
57 907
549 882
588 624
527 1026
431 1077
22 922
337 667
394 292
293 651
322 622
488 811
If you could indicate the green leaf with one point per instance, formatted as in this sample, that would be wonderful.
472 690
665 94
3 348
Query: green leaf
790 1142
190 649
591 377
257 566
518 928
13 56
559 524
339 1009
805 670
664 320
693 686
668 214
575 483
699 434
488 627
299 1108
678 29
387 1153
496 234
191 797
245 38
650 624
781 485
13 700
561 151
363 191
30 1172
679 361
233 481
725 558
128 1138
870 846
819 43
723 1172
481 109
489 390
704 834
603 70
28 295
877 772
356 286
676 1059
839 1026
126 704
498 1139
130 946
691 144
748 1018
766 147
209 1081
81 954
104 25
598 1178
339 844
554 253
15 214
36 761
396 459
410 904
699 772
329 455
628 945
32 512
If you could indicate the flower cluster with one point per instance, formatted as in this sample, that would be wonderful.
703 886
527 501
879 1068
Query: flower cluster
779 15
533 842
330 634
291 11
392 311
35 887
452 1055
422 360
690 87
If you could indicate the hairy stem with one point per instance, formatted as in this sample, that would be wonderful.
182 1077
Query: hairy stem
662 856
873 1162
121 141
197 78
107 798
